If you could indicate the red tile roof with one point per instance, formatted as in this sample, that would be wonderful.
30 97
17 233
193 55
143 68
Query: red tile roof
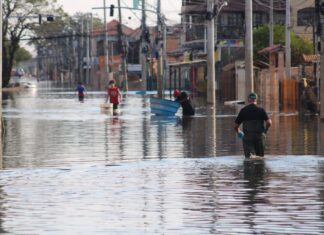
112 27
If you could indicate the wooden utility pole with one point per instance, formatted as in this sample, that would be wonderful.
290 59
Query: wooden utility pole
211 97
122 48
287 32
249 87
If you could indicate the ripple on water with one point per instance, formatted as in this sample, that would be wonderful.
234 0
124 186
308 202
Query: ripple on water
189 196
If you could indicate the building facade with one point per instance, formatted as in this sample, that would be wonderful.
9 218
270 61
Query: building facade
230 21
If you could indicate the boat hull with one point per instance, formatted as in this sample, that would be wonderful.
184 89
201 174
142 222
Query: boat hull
164 107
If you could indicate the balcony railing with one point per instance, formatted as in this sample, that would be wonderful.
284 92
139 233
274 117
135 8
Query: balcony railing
223 32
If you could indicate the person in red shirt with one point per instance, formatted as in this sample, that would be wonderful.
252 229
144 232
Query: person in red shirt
113 94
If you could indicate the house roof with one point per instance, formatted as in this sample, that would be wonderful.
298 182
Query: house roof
257 64
274 48
112 27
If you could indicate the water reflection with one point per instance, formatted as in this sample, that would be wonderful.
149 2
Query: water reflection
69 168
53 128
321 137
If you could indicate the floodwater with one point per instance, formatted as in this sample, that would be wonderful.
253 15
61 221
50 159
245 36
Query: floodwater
70 168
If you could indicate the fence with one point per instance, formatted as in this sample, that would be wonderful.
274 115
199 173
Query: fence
289 98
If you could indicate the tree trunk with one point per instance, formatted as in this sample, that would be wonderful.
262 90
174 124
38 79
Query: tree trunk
6 71
8 61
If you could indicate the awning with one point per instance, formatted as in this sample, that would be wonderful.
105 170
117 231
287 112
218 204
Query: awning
194 62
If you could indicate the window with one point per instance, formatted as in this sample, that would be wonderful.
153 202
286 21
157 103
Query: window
257 19
305 17
234 19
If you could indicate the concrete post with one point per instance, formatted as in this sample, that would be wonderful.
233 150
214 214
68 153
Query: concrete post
1 159
320 34
287 32
106 39
143 45
88 52
210 55
249 86
322 79
271 24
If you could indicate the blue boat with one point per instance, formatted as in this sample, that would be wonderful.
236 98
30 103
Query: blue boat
164 107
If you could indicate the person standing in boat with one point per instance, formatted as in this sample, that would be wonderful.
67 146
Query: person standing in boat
253 119
185 102
113 94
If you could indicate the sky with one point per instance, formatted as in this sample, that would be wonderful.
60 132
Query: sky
170 8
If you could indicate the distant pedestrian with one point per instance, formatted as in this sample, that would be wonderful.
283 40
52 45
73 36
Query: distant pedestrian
113 94
185 102
253 119
81 91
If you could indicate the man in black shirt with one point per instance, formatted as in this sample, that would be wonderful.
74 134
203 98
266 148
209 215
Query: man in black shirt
187 109
253 135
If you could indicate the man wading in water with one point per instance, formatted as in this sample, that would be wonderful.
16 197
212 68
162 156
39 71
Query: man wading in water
253 134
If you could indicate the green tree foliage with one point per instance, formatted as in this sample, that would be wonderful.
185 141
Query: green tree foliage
20 17
22 55
299 45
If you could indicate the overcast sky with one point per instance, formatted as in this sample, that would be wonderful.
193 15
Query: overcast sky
170 8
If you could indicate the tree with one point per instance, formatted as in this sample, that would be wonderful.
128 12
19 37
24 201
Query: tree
299 45
61 45
20 17
22 55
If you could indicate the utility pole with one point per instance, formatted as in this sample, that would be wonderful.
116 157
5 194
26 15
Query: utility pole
211 97
158 48
144 48
271 24
249 86
287 32
75 58
1 163
122 49
319 7
88 51
106 40
1 53
81 50
164 49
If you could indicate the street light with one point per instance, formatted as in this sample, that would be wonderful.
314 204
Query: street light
218 10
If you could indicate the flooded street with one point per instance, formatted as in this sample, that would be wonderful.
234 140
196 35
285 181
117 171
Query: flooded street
71 168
